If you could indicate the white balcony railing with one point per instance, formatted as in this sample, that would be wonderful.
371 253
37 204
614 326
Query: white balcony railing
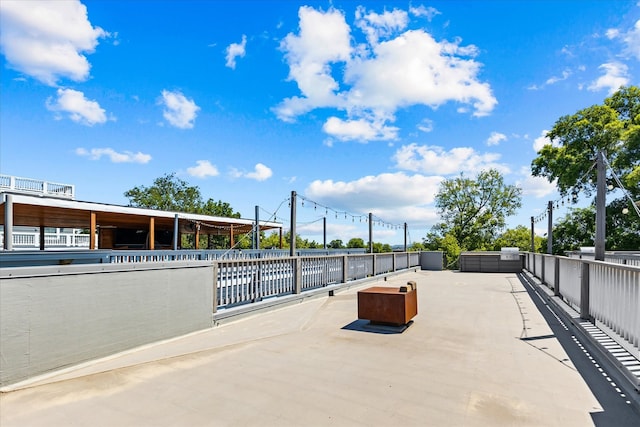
36 187
31 240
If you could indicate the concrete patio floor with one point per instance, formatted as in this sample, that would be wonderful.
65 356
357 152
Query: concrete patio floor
479 353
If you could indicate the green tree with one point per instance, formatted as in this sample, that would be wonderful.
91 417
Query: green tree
612 128
271 241
336 244
170 193
448 245
519 237
356 242
473 211
416 247
578 228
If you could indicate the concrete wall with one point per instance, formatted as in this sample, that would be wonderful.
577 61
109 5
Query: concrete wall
432 260
54 317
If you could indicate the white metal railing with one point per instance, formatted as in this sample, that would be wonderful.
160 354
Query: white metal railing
59 239
35 186
607 293
614 299
548 263
248 280
570 278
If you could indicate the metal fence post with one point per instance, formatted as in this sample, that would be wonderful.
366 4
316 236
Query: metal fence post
373 267
345 269
297 278
215 287
556 288
584 292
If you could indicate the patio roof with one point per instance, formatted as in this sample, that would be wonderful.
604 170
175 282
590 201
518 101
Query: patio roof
34 211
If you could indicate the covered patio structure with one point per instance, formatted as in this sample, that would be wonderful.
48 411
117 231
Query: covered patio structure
107 223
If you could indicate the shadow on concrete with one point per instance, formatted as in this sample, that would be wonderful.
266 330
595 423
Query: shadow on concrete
362 325
616 411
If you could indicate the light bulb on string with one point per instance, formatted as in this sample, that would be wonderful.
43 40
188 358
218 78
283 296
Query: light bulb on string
625 211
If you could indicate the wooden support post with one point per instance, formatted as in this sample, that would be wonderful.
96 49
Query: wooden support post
197 239
152 233
92 231
231 239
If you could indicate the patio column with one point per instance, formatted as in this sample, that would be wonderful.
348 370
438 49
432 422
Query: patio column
231 239
92 231
42 237
152 233
175 233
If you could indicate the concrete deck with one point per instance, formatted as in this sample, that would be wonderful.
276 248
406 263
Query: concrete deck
481 352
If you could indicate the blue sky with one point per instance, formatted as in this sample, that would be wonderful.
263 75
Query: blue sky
357 106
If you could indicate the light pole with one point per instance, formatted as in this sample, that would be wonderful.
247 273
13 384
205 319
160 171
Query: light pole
600 208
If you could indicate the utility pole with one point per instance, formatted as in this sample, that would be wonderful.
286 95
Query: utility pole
324 232
533 245
405 237
600 208
370 233
550 228
257 239
292 246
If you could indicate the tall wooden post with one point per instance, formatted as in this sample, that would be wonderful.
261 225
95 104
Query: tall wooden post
152 233
92 230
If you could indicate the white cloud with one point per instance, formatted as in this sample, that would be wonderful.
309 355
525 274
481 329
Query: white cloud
376 26
359 130
393 70
260 173
496 138
555 79
435 160
535 185
615 75
114 156
324 38
203 169
235 50
391 196
427 12
79 109
543 140
425 125
179 111
47 40
630 38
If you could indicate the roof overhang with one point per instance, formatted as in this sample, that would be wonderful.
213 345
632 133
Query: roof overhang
33 211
